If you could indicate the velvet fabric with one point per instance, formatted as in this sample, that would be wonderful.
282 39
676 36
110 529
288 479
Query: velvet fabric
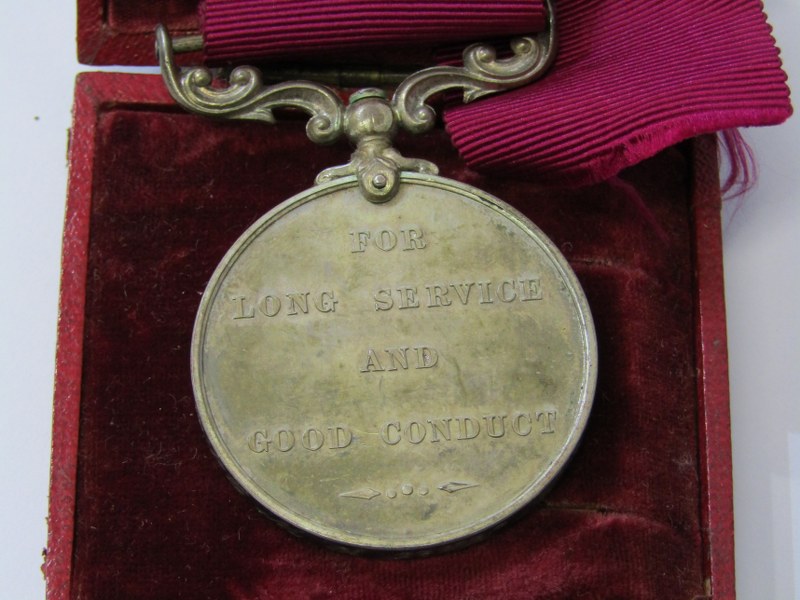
156 516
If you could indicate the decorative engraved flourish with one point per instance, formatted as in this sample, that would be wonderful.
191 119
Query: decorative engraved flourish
483 73
370 121
392 493
456 486
247 98
406 489
361 494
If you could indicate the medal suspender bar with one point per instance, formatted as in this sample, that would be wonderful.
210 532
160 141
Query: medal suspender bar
140 506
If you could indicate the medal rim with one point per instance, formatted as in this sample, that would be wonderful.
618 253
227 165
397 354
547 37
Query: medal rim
300 521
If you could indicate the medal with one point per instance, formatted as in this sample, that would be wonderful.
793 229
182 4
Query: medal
390 360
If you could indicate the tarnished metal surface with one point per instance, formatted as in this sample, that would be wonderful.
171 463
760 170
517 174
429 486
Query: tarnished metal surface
394 376
397 374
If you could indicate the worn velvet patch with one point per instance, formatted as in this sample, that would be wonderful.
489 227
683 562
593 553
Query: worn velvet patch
156 516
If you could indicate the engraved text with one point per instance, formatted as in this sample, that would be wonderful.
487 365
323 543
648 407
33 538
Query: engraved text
310 438
290 304
461 293
462 428
399 359
386 240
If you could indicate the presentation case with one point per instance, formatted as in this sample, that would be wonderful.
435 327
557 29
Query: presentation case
139 506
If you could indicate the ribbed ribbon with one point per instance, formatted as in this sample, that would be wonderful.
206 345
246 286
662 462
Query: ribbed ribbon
238 30
632 77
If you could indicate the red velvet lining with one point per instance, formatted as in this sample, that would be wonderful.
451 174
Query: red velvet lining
157 518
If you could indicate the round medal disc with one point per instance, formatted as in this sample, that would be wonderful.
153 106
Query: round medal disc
394 376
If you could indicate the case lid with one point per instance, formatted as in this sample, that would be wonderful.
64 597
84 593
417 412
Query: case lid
118 32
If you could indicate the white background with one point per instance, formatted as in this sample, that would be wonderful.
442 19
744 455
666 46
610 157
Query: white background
37 51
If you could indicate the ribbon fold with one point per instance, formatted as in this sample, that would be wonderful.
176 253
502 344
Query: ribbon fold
632 77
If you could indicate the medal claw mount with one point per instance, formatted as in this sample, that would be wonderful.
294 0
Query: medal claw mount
370 121
246 97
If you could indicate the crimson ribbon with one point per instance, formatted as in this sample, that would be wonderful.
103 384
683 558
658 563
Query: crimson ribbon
632 77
